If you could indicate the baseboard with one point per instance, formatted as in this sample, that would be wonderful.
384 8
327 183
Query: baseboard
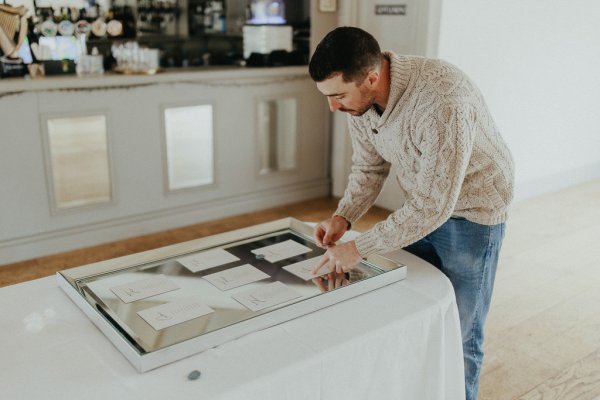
43 244
556 182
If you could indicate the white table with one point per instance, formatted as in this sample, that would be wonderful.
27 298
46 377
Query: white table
398 342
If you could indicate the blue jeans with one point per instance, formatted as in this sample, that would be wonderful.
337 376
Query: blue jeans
467 253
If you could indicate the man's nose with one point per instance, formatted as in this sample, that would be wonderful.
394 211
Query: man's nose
333 104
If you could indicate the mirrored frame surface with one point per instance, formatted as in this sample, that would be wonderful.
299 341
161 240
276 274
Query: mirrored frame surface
93 289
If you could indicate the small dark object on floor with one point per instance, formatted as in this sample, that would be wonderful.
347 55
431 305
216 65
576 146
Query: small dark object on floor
195 374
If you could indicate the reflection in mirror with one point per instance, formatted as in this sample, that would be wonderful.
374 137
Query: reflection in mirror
189 146
78 153
336 280
277 135
122 294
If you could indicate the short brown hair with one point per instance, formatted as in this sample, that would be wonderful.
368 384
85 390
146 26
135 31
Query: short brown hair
346 50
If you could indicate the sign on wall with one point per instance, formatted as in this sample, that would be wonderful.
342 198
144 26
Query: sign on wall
390 9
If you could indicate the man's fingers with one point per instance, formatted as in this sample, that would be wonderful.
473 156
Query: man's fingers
319 283
324 260
339 280
318 234
327 238
331 236
338 268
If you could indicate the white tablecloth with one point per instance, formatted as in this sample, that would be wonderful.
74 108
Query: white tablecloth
398 342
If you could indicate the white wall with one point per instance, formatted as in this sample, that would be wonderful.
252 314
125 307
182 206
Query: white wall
538 66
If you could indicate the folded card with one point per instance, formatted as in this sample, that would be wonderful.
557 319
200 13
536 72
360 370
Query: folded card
175 312
281 251
303 269
207 259
144 288
235 277
269 295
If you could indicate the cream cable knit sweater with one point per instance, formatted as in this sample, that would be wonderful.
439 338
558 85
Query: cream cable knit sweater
450 157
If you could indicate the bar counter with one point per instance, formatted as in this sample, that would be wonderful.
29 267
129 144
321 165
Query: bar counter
168 75
89 160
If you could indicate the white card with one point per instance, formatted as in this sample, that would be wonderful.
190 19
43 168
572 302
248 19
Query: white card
207 259
235 277
268 295
175 312
144 288
281 251
303 269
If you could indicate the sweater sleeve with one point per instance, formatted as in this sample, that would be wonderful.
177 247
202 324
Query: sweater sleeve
446 149
367 176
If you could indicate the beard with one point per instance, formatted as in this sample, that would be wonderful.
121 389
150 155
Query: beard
356 113
366 102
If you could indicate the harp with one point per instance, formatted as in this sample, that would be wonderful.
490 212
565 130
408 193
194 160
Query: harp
13 26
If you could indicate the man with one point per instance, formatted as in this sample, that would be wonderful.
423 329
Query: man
429 120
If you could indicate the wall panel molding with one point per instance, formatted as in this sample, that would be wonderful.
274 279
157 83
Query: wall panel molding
136 149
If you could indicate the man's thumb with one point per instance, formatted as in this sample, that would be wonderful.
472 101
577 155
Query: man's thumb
327 237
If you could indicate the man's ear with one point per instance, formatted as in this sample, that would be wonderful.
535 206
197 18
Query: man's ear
372 78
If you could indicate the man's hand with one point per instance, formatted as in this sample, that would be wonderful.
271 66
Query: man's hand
328 232
340 258
330 281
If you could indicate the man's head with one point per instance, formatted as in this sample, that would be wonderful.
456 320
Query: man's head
346 67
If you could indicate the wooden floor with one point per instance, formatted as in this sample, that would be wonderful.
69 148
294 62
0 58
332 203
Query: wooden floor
543 331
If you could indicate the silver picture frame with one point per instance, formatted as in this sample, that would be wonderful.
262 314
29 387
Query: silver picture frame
92 288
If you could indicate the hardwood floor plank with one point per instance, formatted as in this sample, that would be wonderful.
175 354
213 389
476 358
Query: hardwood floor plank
544 335
579 382
502 380
527 302
545 312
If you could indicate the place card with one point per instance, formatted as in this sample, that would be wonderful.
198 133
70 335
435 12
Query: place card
235 277
207 259
175 312
281 251
269 295
303 269
144 288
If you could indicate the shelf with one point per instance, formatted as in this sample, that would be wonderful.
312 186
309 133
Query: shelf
165 38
